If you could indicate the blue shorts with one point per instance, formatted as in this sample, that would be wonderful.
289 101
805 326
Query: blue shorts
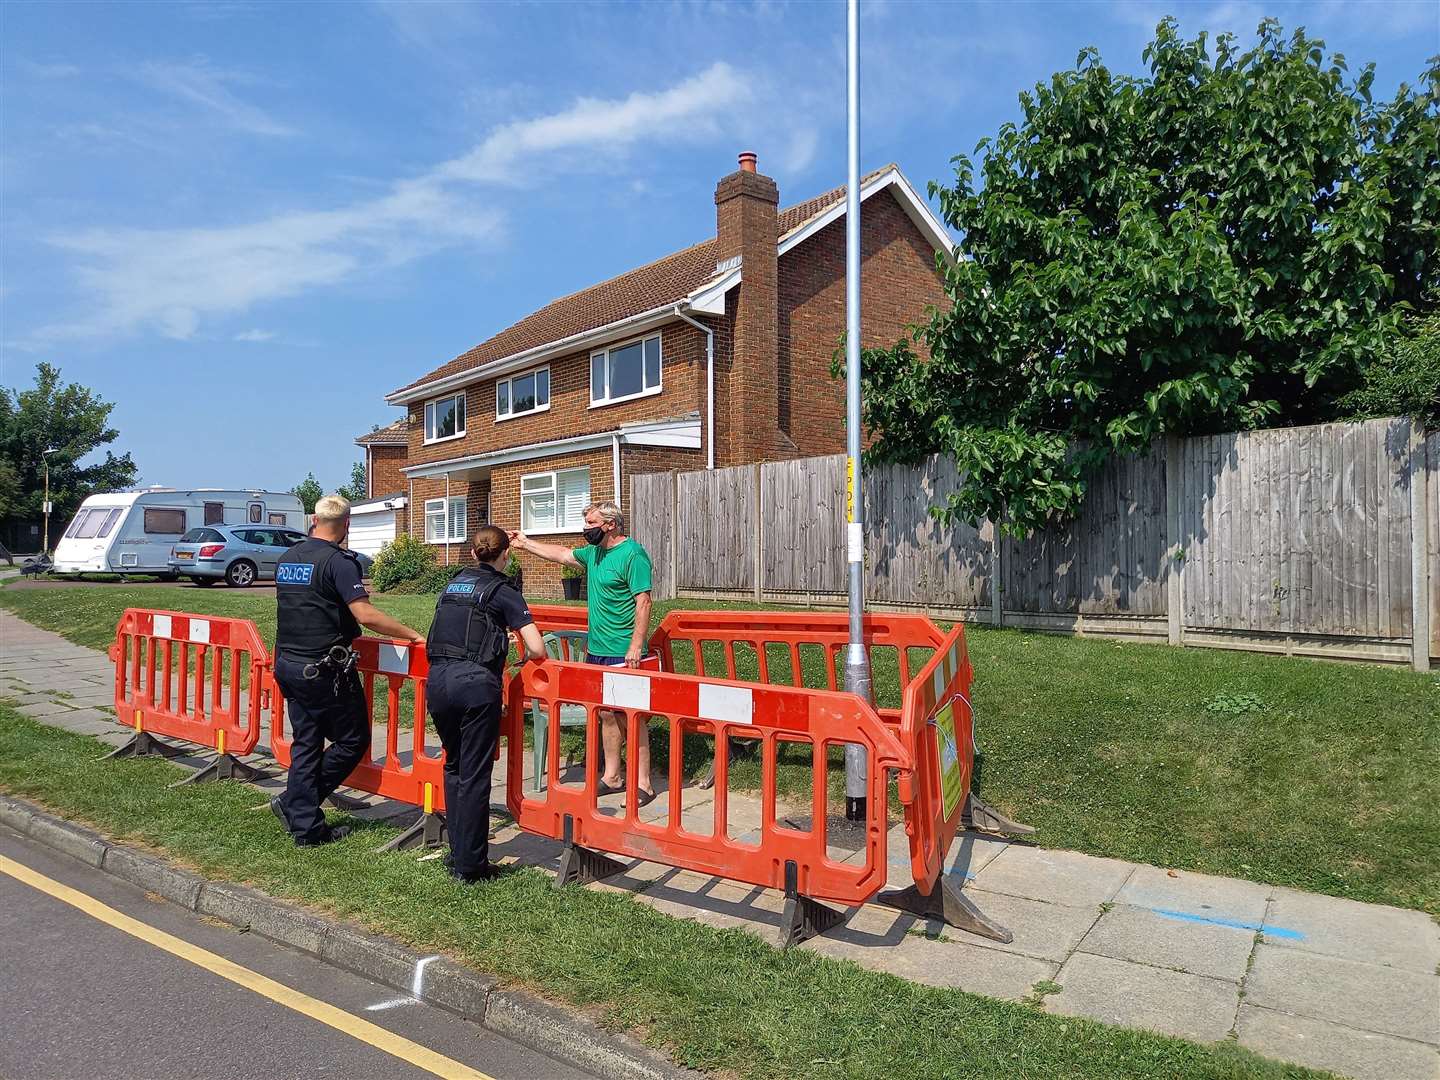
605 661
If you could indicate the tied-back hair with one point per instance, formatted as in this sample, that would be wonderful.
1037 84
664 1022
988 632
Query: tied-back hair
490 543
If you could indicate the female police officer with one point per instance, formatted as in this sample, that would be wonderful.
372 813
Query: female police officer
467 647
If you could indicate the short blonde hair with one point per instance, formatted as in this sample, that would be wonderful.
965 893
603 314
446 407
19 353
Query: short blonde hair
331 509
608 511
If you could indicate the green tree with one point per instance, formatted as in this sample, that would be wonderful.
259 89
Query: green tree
1224 243
354 491
309 491
1405 381
73 421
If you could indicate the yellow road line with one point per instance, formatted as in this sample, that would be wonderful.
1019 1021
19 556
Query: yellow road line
394 1045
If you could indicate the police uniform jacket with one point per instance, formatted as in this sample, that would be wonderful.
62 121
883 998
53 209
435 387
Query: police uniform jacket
472 616
315 583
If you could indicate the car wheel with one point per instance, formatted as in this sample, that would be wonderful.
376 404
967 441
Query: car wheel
203 582
240 574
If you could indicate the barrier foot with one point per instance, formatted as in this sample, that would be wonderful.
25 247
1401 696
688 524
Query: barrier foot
347 803
981 815
947 903
427 831
803 918
143 744
579 865
224 767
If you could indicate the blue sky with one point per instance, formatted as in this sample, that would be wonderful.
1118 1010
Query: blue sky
245 222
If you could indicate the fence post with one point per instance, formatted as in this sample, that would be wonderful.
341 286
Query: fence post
759 536
997 613
1174 566
1419 552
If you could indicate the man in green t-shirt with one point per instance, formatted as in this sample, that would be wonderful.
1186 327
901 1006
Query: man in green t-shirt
617 572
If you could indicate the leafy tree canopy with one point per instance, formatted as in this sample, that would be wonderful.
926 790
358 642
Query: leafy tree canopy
354 491
309 491
74 422
1405 381
1224 243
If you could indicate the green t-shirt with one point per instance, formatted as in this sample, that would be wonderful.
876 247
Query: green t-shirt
614 576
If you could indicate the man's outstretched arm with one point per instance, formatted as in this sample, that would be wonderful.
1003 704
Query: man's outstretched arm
556 553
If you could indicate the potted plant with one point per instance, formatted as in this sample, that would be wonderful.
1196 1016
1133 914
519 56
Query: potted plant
572 580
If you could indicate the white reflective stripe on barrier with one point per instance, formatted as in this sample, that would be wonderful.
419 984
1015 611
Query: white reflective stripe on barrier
626 691
394 659
200 631
162 626
732 704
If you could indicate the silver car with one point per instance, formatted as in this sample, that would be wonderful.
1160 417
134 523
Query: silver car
241 554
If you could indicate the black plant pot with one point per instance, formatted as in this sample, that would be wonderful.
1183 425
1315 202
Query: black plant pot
573 586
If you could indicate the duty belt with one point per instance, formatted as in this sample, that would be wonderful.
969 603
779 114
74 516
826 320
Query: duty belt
340 661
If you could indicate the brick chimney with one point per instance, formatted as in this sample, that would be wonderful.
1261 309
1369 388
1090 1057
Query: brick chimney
745 226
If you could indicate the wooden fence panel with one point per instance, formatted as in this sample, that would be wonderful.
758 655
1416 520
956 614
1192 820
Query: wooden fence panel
1108 560
716 528
908 553
1301 530
803 546
652 507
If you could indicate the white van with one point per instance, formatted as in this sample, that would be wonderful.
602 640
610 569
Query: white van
131 532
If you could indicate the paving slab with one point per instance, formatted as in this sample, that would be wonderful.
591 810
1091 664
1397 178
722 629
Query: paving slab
1371 933
933 962
39 710
1045 931
971 853
1140 996
1363 1055
1057 877
1227 900
1142 936
1362 996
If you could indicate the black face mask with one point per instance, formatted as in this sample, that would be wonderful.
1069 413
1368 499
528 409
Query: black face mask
594 536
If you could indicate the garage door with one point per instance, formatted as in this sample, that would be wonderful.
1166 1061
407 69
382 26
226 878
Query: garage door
370 532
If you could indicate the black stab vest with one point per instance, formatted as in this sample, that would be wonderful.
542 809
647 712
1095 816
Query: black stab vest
311 617
464 627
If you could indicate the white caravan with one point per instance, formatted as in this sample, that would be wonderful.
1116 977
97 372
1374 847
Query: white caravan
131 532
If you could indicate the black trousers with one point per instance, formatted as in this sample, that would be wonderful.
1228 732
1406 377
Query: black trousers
464 699
318 714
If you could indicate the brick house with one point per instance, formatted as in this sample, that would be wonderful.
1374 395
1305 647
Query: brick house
716 355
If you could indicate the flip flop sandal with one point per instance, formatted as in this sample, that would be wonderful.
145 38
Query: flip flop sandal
645 798
602 788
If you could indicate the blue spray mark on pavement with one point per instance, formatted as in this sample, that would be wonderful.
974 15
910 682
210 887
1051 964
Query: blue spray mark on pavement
1234 924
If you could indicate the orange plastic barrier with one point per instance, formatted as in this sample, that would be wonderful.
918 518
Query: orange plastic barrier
783 857
385 667
777 640
198 678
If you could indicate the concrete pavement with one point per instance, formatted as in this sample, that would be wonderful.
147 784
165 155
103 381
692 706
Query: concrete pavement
1326 982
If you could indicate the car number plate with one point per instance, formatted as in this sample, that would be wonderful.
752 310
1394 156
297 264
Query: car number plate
184 554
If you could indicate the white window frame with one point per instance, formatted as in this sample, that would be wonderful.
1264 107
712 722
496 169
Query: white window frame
647 391
444 510
553 478
509 381
429 419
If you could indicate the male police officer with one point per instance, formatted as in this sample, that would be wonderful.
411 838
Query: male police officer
322 603
467 647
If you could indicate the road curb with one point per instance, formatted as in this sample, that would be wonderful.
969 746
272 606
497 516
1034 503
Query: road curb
526 1019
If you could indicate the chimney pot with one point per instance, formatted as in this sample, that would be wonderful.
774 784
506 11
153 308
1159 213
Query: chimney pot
747 161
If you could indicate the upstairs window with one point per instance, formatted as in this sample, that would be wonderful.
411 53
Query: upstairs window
627 371
521 394
445 418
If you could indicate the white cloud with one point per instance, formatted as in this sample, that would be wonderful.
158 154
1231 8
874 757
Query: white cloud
200 84
257 336
606 127
169 280
48 71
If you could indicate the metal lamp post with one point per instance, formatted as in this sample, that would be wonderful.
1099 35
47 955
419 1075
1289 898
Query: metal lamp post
857 660
45 507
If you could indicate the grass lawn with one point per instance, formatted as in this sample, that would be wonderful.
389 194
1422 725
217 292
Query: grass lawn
718 999
1315 775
